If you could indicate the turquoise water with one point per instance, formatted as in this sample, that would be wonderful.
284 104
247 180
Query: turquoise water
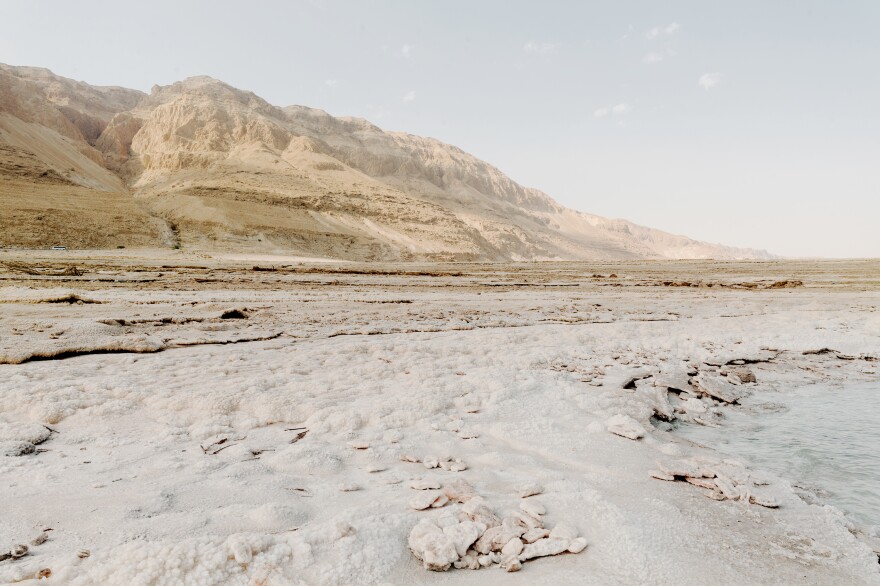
825 440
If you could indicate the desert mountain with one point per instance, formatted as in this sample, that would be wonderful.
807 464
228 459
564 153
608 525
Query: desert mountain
204 165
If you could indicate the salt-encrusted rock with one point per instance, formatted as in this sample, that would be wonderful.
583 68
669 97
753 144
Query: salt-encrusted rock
676 380
420 484
692 405
17 448
40 539
743 375
410 458
658 399
661 475
529 489
18 551
468 434
431 462
577 545
625 426
564 531
359 445
463 535
424 499
485 560
681 468
459 491
533 535
478 511
470 562
83 553
701 482
432 546
349 487
513 547
373 468
624 377
440 501
718 388
532 507
526 521
510 564
544 547
484 543
727 487
32 433
344 529
453 465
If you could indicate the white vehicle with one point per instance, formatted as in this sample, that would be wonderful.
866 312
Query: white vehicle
59 248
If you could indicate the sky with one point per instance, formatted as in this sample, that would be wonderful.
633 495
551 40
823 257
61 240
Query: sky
749 123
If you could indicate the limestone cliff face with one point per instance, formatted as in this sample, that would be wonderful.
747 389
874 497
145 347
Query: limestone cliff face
232 171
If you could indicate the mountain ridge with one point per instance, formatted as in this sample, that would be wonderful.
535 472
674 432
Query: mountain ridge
217 167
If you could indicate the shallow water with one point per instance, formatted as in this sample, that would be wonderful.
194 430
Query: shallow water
824 439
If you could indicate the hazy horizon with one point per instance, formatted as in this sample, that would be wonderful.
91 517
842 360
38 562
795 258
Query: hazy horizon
750 126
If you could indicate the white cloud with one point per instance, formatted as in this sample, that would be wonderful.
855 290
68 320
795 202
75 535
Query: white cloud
620 109
652 58
601 113
709 80
409 96
537 48
331 82
405 51
669 30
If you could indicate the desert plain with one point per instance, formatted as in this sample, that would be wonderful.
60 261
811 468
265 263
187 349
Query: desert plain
175 417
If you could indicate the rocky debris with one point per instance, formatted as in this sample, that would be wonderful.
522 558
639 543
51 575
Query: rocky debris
472 536
17 448
447 463
624 377
718 387
625 426
20 438
349 487
675 380
725 480
359 445
419 484
428 499
658 399
16 552
739 376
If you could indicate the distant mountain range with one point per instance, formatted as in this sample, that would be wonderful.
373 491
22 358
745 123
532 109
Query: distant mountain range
202 165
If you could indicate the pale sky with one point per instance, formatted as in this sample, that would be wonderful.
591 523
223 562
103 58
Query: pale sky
751 123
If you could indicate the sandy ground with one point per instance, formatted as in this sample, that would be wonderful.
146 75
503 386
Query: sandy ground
155 400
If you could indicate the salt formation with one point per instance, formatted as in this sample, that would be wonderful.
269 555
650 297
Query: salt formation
724 480
472 536
625 426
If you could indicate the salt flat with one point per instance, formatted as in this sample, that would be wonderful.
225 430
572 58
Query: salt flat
155 401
